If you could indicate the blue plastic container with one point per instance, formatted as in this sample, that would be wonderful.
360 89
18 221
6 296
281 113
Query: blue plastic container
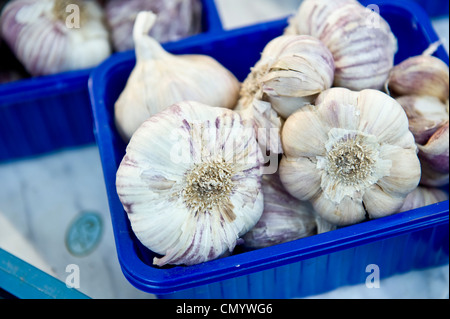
434 8
399 243
42 114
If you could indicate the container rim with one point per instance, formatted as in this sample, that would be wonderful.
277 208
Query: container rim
162 281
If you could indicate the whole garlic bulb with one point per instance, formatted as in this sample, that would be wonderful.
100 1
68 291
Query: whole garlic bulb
419 75
160 79
291 72
190 182
428 121
426 114
52 36
434 157
351 154
360 40
176 19
423 196
284 218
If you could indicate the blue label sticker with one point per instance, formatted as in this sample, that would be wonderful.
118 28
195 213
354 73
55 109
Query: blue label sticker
84 234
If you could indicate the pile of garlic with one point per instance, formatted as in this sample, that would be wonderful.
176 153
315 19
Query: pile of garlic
54 36
194 179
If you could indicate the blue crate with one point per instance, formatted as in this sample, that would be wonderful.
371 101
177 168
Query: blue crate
47 113
434 8
399 243
24 281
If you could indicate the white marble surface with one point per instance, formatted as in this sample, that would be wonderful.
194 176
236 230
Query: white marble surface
40 197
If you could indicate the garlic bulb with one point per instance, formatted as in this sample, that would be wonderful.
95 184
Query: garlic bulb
428 121
426 114
423 196
419 75
190 182
351 154
160 79
284 218
360 40
434 157
291 72
176 19
52 36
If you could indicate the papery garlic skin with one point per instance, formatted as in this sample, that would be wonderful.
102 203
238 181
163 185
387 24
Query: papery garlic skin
284 218
291 72
160 79
434 157
360 40
176 19
46 40
423 196
351 154
420 75
426 114
190 182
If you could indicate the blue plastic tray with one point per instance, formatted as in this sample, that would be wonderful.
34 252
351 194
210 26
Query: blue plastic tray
47 113
398 243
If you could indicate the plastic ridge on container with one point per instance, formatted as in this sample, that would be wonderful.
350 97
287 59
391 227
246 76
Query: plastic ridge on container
398 243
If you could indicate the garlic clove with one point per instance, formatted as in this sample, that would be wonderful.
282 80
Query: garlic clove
404 172
436 151
419 75
432 178
348 211
266 123
425 114
423 196
190 182
305 142
299 178
160 79
284 218
360 40
380 203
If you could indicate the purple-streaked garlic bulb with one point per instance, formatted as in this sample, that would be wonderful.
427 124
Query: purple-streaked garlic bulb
160 79
420 75
428 120
292 71
176 19
423 196
351 154
285 218
360 40
53 36
190 182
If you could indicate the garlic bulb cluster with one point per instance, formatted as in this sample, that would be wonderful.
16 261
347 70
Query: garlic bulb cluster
360 40
176 19
190 182
284 218
423 196
420 75
53 36
291 72
351 154
160 79
421 86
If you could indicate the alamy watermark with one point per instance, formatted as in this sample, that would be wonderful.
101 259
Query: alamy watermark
73 17
73 277
373 279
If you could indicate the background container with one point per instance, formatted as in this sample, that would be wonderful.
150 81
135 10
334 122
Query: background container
47 113
312 265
